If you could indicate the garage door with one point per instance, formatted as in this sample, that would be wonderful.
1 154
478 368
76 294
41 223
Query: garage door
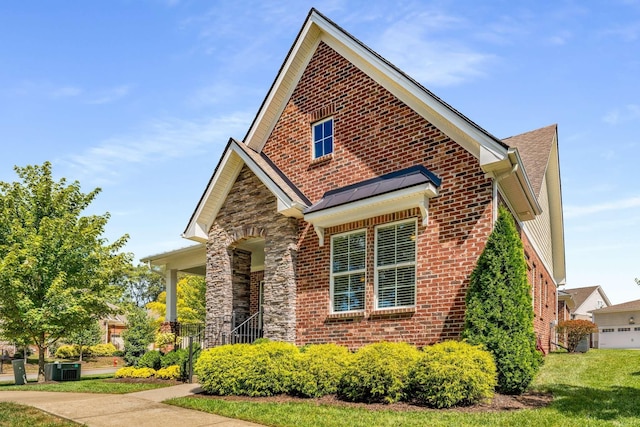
619 337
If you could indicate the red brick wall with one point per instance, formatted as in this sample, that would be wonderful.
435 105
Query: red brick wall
254 291
543 292
375 134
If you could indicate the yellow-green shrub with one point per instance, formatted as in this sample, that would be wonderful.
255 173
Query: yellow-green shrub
169 373
131 372
452 373
243 369
318 369
125 372
378 373
103 350
68 352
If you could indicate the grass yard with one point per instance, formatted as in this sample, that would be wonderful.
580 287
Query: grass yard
598 388
14 415
98 384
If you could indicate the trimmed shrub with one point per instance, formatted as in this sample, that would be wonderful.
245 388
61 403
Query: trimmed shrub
452 373
169 373
378 373
499 312
125 372
103 350
143 373
150 359
68 352
245 369
174 357
318 369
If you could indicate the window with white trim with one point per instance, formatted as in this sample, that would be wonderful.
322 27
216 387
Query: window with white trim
348 265
395 265
322 138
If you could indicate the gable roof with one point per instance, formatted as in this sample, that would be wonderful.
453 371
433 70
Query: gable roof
291 201
580 295
496 158
535 149
625 306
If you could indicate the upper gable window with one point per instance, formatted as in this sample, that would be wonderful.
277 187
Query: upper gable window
322 138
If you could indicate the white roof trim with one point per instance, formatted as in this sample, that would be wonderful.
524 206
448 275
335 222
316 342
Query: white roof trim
223 179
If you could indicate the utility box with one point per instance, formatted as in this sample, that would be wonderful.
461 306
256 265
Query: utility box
62 371
19 372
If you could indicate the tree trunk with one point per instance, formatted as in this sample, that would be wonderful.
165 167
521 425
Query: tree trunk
81 348
42 348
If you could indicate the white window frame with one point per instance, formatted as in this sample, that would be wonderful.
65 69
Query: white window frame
398 265
313 138
348 273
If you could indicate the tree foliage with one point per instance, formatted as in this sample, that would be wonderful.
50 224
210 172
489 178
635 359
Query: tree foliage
56 269
575 331
499 311
142 285
138 335
85 337
190 300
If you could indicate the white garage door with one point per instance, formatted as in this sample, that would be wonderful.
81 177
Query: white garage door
619 337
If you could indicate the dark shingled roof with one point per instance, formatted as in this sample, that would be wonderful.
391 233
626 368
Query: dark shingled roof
398 180
534 148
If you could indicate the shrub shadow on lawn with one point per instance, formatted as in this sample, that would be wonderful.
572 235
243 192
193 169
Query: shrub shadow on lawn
603 404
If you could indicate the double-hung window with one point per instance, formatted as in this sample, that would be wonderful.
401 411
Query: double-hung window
322 138
395 265
348 263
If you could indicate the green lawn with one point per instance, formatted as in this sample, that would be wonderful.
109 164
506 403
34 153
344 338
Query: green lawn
14 415
598 388
88 385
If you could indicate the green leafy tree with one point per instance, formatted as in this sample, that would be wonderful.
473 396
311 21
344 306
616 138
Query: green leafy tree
85 337
190 300
56 269
139 334
142 285
499 311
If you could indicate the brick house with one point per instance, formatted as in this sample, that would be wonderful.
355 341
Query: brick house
357 205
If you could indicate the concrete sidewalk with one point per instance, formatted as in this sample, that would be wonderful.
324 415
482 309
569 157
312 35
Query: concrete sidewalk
137 409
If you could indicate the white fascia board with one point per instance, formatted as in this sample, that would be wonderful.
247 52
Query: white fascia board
407 198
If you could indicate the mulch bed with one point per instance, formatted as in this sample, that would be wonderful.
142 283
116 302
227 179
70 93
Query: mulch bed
500 402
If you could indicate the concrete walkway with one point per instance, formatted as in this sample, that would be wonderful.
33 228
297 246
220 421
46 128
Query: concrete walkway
136 409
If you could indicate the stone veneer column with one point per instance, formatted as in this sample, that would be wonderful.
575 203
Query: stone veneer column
279 309
241 283
219 293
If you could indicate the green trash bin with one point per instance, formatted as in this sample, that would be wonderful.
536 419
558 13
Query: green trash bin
19 372
62 371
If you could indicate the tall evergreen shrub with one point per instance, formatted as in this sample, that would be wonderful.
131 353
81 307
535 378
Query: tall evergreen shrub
499 309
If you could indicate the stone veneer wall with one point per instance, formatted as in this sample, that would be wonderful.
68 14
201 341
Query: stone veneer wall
249 211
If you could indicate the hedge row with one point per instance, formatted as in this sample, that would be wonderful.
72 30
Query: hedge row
168 373
443 375
73 351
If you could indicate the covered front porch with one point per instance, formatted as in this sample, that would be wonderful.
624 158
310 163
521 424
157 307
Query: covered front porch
242 321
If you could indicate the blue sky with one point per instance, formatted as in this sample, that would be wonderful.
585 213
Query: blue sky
140 97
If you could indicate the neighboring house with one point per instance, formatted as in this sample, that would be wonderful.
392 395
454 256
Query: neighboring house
585 300
618 325
358 203
112 326
578 303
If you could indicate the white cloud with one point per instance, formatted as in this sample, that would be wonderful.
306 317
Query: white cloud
66 92
111 95
629 113
413 45
578 211
159 141
627 33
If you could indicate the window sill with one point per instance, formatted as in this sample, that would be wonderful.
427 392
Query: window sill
385 312
347 315
321 160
